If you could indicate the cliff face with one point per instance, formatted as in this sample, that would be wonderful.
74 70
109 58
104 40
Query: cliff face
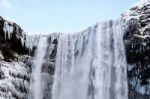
15 62
16 58
137 44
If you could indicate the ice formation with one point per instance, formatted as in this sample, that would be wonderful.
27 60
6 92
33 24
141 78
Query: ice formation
29 41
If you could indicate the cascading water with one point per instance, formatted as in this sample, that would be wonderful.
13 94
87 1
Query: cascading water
91 64
36 85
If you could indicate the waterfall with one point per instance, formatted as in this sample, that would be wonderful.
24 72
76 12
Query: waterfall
92 64
36 85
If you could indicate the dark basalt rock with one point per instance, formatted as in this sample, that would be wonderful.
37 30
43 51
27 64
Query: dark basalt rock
137 45
14 43
8 54
17 46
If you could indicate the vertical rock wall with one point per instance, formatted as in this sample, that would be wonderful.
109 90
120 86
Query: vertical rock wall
137 44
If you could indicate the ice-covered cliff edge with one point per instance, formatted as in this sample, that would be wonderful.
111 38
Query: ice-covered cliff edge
137 43
16 51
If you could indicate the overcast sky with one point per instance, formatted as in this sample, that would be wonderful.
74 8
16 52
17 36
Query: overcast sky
48 16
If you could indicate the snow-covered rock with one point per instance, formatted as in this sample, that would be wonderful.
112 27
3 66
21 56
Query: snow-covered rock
10 31
16 51
14 83
137 44
15 61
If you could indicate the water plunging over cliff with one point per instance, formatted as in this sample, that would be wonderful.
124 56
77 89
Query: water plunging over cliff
91 64
36 84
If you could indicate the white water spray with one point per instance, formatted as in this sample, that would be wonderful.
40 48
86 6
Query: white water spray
36 87
91 64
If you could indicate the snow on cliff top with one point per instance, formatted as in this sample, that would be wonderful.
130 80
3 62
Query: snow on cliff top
141 3
136 10
140 12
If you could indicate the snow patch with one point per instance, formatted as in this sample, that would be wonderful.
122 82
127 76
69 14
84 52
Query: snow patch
141 3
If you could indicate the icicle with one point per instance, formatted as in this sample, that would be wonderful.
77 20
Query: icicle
23 39
31 41
8 30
